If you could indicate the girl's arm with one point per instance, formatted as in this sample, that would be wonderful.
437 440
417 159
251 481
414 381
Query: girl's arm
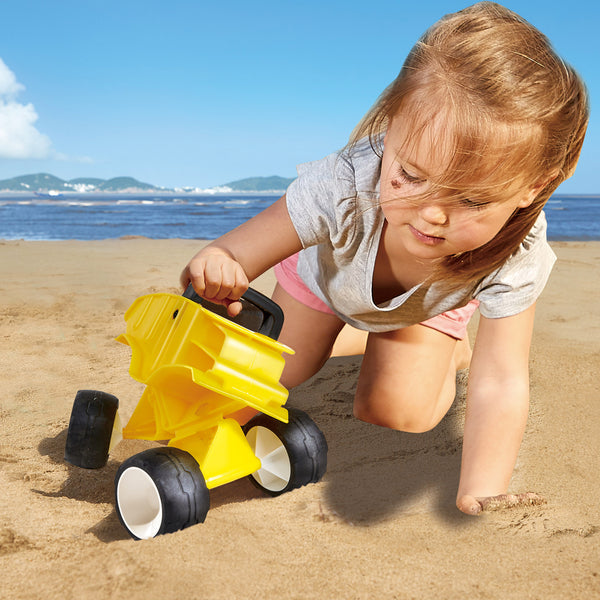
497 409
221 271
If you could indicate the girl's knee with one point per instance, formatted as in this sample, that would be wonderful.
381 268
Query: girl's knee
297 371
402 414
407 379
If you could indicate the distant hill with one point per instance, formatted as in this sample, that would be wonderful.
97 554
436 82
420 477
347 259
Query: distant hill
44 183
32 183
119 184
259 184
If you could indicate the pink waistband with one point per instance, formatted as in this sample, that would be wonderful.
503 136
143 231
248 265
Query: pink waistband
453 322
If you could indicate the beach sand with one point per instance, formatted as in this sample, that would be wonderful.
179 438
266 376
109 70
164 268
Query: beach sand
382 522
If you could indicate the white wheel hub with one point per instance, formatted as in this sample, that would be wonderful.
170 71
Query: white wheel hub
276 470
139 503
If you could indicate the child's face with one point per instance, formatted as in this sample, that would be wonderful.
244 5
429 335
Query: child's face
431 228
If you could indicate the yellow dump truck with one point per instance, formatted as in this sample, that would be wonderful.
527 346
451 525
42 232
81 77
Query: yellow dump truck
204 374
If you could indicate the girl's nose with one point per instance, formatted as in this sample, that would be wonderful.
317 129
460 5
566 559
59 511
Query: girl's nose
434 214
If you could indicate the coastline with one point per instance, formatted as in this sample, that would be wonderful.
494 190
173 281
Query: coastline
382 523
218 191
168 215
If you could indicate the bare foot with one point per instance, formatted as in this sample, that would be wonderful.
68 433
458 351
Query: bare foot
473 506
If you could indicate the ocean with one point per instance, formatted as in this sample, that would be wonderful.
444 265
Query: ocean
203 216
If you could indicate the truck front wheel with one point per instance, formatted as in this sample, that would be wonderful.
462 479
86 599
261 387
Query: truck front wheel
292 454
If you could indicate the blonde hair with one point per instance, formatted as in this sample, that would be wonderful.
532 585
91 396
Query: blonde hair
516 115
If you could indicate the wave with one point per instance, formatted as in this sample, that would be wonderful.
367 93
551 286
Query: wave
62 203
202 216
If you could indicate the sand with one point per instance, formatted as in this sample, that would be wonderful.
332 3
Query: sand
382 522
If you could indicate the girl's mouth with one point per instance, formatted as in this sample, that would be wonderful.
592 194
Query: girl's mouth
430 240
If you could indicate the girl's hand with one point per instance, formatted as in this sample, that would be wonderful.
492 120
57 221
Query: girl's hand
218 277
473 506
222 271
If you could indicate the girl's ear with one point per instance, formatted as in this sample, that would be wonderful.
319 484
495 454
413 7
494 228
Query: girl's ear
529 198
536 189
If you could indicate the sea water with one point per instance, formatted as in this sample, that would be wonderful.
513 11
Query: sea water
103 216
203 216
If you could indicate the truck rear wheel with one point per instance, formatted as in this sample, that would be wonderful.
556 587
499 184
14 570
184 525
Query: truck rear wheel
160 490
91 429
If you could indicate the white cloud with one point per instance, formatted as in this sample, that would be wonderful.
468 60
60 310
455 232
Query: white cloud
9 86
19 137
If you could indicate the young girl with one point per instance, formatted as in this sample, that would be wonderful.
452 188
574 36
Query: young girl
433 208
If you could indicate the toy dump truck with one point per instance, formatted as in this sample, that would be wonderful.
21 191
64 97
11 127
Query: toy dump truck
203 373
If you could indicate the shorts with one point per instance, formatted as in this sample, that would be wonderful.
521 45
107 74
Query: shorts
453 322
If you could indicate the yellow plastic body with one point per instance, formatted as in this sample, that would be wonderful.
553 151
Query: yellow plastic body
200 370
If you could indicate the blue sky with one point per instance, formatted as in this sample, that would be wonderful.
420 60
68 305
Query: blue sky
199 93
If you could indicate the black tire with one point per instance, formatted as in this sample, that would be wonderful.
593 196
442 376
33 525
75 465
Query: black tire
90 429
292 454
158 491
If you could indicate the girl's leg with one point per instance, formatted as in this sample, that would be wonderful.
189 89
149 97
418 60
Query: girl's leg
309 332
407 379
350 342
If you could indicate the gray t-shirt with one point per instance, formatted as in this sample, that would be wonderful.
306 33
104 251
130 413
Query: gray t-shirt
334 207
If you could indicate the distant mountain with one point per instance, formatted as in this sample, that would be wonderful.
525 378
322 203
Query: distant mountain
119 184
32 183
259 184
45 183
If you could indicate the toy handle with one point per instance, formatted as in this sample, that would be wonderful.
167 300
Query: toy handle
259 313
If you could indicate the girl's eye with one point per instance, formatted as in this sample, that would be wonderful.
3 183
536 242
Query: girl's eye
475 204
403 177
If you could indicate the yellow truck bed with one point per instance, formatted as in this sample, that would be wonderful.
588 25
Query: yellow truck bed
200 369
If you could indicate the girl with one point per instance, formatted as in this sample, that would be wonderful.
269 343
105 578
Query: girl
433 208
